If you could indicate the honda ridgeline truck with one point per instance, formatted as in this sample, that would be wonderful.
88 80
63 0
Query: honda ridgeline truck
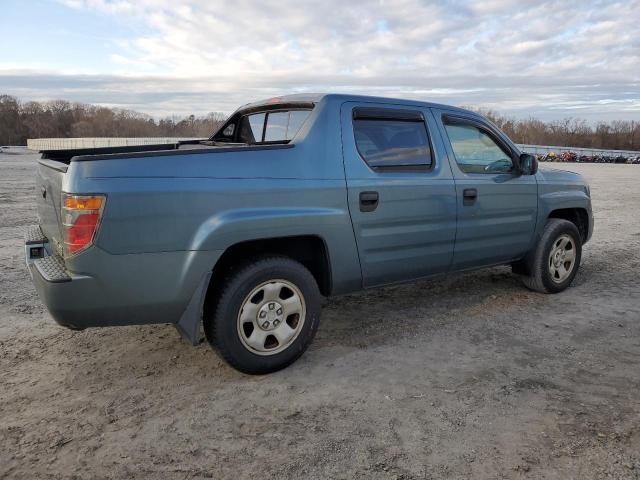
294 199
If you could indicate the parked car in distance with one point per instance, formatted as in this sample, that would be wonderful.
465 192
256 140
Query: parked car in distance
293 199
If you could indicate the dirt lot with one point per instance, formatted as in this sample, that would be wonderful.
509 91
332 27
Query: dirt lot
466 377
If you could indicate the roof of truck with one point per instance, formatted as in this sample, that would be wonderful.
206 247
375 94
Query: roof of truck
317 97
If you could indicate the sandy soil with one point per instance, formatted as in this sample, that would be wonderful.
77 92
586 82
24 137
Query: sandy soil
466 377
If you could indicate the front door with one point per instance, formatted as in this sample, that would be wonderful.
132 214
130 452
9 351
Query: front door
400 190
497 207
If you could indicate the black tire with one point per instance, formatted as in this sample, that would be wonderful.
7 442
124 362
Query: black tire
222 326
540 278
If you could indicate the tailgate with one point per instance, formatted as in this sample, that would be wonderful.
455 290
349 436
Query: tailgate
48 200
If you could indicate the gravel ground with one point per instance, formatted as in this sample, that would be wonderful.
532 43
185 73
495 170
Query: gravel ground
471 376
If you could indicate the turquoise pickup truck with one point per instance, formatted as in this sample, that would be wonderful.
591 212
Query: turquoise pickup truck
294 199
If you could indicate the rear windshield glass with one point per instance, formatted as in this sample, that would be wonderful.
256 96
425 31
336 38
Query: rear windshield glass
280 126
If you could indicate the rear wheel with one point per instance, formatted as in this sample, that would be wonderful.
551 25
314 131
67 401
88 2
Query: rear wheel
266 316
556 258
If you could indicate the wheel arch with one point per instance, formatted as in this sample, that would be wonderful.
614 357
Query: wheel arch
310 250
576 215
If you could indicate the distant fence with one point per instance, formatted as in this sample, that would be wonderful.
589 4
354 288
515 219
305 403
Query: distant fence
97 142
589 152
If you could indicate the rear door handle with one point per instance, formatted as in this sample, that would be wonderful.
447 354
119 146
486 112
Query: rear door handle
368 201
469 196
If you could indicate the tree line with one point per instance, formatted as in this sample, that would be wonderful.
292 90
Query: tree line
569 132
63 119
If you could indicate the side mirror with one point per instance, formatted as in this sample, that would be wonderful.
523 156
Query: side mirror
528 164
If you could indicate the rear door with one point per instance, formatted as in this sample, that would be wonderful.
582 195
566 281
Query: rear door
401 193
497 208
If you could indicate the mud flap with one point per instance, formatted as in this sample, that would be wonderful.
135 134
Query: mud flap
190 322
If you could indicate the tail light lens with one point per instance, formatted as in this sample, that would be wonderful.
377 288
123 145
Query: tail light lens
81 216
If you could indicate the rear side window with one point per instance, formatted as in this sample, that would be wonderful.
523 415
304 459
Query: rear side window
392 142
277 126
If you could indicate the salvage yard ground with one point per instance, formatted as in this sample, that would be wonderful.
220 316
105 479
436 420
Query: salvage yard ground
470 376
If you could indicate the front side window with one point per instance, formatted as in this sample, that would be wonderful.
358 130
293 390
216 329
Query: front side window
280 126
390 143
475 151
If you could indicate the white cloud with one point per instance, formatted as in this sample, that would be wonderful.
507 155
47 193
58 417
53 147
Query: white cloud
524 57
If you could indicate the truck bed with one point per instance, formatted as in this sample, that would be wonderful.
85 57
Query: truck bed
65 156
187 146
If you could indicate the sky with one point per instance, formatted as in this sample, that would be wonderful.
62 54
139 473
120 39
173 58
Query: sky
544 59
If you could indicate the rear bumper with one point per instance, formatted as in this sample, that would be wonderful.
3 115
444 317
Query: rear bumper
132 289
60 296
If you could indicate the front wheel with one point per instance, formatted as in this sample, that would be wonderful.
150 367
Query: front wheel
556 258
266 316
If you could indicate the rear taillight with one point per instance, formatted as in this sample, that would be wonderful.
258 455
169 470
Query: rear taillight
81 216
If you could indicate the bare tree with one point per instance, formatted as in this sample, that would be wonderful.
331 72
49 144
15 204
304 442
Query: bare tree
59 118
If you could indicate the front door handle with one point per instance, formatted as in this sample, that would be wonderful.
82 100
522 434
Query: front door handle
469 196
368 201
